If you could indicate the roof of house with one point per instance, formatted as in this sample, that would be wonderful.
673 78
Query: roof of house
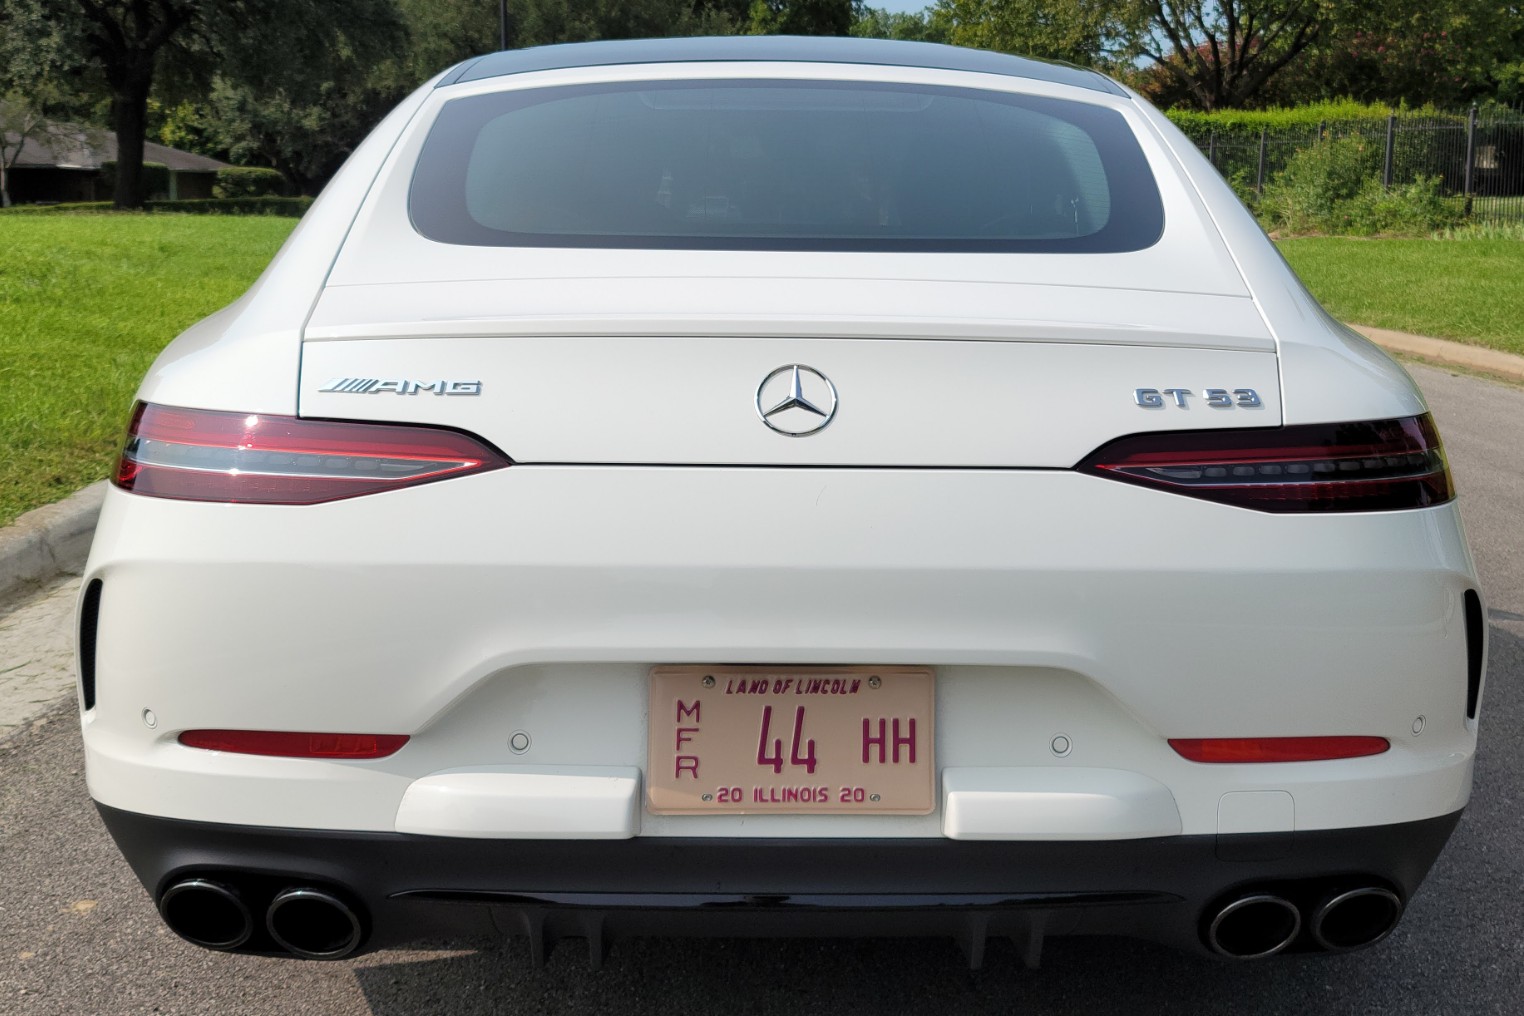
793 49
69 147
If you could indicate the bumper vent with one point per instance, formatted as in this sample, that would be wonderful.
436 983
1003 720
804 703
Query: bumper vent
1476 644
89 620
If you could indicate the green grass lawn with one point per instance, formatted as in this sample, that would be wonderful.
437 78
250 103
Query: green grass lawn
86 303
1466 289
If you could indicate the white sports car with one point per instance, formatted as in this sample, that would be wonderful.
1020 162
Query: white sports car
774 486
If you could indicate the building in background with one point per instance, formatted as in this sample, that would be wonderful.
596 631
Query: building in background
76 164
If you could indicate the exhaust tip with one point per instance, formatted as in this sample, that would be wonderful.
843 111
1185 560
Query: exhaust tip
206 913
1253 927
1356 919
313 924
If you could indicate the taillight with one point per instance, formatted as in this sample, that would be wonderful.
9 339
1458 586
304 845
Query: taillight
295 744
1278 749
200 455
1378 465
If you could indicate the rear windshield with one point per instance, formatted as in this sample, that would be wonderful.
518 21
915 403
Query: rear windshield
781 165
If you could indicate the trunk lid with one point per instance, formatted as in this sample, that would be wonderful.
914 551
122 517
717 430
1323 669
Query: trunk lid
926 372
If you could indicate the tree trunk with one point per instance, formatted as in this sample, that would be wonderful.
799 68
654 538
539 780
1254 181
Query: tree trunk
129 119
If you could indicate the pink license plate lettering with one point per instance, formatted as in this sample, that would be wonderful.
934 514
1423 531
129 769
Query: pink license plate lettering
805 740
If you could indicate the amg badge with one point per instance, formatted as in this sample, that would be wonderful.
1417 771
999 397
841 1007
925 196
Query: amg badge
397 386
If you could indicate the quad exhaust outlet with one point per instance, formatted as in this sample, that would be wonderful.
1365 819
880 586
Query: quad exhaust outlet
313 924
1258 924
307 922
1355 919
207 913
1254 926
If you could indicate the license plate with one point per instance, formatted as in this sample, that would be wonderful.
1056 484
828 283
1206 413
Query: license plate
794 740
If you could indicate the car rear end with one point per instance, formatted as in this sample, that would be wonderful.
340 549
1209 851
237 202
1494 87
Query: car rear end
503 577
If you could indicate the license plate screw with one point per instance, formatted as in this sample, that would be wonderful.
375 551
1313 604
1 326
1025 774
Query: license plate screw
707 797
708 680
874 681
874 798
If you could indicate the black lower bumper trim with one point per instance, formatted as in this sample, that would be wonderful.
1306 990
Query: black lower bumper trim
785 901
410 887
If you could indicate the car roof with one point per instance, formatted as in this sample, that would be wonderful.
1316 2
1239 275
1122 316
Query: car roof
786 48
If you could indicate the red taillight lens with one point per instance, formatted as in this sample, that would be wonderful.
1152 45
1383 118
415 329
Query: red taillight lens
199 455
290 744
1277 749
1378 465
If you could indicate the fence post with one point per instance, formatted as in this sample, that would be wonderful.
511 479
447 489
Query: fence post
1470 154
1391 139
1259 178
1212 147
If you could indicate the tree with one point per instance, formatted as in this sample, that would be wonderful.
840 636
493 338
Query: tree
1231 53
305 137
130 41
876 23
20 122
1445 52
801 17
1221 53
37 92
1085 32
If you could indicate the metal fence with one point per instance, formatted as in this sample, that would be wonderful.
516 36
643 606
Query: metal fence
1478 157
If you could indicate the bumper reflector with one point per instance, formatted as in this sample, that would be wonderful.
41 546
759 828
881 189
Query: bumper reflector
1277 749
294 744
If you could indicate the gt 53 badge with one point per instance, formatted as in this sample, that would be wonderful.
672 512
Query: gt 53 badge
1217 398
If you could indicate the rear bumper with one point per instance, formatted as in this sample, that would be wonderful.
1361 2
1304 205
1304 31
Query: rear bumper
410 887
537 600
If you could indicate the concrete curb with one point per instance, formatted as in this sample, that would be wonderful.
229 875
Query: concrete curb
48 541
1488 361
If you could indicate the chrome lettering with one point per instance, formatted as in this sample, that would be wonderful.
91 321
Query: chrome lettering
1179 394
397 386
1217 398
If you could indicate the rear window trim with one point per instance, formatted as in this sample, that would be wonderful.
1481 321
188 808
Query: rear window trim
440 213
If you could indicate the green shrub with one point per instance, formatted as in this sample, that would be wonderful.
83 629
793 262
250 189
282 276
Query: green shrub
1425 139
288 207
248 182
1335 187
269 205
1412 209
1309 194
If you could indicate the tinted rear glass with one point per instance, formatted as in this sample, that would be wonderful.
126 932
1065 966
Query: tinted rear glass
777 165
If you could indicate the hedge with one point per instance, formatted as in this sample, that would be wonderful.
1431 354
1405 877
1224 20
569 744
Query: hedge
1341 116
248 182
289 207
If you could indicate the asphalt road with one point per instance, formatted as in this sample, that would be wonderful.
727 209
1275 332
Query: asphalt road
78 935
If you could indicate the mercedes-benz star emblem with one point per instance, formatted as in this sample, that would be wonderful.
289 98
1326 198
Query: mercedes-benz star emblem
796 400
